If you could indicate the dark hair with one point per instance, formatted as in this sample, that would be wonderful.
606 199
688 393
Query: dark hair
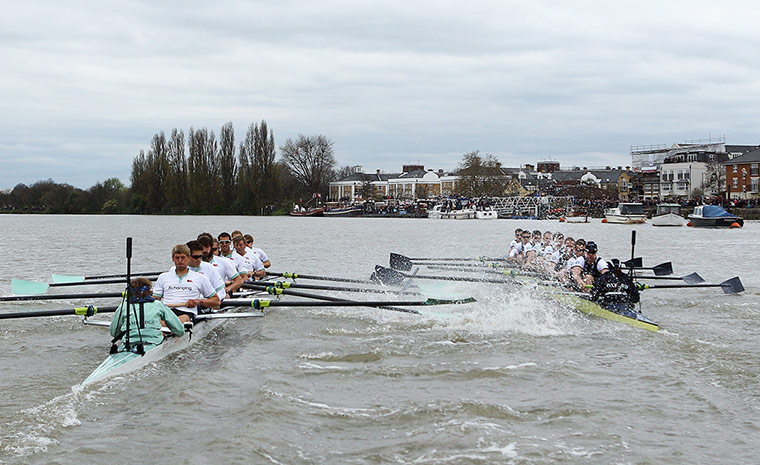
206 241
194 245
223 234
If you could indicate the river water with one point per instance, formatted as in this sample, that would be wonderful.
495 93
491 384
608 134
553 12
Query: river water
513 378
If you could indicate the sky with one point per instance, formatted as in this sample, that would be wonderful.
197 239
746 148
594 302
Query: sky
85 85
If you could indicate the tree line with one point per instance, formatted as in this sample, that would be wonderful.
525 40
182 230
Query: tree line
200 173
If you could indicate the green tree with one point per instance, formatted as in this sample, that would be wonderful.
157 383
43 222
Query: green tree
228 171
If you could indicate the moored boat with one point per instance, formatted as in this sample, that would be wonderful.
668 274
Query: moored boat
668 214
354 210
487 213
714 216
308 212
440 213
626 213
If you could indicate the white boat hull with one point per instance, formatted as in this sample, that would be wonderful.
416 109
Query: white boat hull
452 215
486 215
668 219
577 219
625 219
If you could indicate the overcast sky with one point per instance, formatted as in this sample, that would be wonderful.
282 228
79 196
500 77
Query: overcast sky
85 84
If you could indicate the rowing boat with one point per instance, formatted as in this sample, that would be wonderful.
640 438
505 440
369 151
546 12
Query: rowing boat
589 307
123 361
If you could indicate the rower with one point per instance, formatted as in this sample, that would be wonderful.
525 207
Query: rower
615 290
518 253
206 269
145 316
184 290
534 248
516 241
224 266
254 266
575 266
259 253
594 266
226 250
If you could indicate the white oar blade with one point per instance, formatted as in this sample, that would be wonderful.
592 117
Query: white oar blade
23 287
62 278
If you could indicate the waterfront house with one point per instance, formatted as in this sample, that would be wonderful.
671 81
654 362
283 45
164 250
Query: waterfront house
742 176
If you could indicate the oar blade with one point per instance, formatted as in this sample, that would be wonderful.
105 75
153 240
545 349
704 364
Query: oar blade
693 278
23 287
663 269
732 286
633 263
400 262
387 276
62 278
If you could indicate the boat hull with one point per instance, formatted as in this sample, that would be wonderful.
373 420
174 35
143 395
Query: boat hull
452 215
589 307
719 222
625 219
125 362
668 219
486 215
314 212
344 212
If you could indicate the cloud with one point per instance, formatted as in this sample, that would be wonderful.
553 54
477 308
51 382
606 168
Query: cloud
85 86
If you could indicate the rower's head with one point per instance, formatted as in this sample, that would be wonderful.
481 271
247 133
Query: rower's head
180 256
196 253
140 288
615 266
518 233
547 237
559 238
569 243
225 241
525 236
207 244
235 233
248 240
536 235
580 247
239 243
591 249
215 247
205 234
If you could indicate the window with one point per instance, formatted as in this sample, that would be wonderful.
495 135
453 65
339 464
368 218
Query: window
736 182
736 169
753 169
754 185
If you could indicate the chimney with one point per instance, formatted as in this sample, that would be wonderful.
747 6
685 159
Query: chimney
378 173
440 171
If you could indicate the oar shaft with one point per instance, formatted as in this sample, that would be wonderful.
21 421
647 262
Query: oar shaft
101 281
284 285
273 290
62 312
107 276
16 298
322 278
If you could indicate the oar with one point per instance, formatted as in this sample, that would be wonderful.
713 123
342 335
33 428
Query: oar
259 304
393 277
62 278
509 272
14 298
404 263
322 278
431 301
286 285
663 269
731 286
85 311
693 278
22 287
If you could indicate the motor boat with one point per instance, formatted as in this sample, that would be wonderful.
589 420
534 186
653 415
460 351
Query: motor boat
714 216
668 214
626 213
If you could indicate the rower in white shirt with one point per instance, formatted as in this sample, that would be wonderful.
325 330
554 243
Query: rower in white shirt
182 289
226 250
197 264
253 264
259 253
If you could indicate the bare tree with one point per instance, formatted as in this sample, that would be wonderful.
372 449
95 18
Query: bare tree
481 176
310 161
227 166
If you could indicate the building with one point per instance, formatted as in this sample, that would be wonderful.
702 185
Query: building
742 176
413 182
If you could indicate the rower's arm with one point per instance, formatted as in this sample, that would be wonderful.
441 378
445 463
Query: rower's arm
267 264
259 274
234 285
212 302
